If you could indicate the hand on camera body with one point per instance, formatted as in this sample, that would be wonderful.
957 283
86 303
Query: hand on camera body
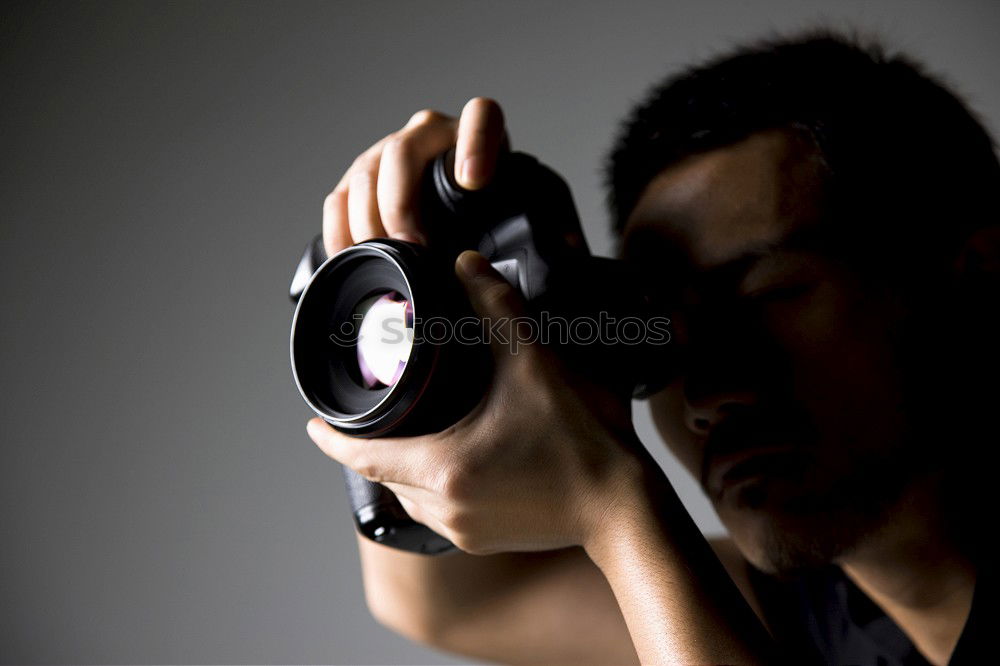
547 457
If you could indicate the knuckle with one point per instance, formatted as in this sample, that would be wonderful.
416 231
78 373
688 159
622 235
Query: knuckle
458 522
451 517
334 199
402 147
366 160
456 485
368 470
362 179
358 164
426 117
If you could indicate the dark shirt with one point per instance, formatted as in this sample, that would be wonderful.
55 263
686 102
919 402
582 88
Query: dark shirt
824 618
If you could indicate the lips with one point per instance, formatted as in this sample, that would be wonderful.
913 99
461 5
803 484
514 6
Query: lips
748 446
730 470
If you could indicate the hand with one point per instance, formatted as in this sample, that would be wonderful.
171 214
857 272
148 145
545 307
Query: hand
544 461
378 195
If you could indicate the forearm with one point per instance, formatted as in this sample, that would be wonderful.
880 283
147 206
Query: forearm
547 607
420 595
680 605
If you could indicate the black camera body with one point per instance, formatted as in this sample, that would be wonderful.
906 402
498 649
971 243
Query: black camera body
413 381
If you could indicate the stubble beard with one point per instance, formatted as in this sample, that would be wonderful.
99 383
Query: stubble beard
815 529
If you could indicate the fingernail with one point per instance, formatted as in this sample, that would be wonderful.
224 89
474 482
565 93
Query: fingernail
472 172
472 264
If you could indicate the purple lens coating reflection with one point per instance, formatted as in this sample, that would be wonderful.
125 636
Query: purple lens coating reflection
385 338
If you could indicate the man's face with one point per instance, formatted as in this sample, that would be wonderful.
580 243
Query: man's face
787 403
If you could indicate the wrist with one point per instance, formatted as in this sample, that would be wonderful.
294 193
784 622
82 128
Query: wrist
635 505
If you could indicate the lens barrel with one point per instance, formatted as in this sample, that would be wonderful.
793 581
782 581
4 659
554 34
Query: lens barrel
442 377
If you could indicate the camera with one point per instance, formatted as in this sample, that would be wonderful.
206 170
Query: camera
384 340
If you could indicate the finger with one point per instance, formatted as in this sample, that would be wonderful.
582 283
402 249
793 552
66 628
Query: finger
489 292
336 225
500 305
481 134
398 460
336 234
404 160
362 199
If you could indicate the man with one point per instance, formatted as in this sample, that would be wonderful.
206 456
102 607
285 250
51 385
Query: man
828 219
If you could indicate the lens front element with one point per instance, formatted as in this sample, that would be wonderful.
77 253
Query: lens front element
385 338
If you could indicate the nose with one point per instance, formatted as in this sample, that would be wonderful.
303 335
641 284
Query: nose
728 365
704 410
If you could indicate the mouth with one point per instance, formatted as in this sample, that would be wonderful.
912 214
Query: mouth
724 472
749 448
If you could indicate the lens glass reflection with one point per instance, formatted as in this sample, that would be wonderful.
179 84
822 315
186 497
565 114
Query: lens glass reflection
385 338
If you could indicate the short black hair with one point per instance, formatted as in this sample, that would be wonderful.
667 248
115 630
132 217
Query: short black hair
901 150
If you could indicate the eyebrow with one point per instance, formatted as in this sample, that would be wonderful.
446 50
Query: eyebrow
809 238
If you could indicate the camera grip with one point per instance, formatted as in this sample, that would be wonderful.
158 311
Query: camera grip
380 517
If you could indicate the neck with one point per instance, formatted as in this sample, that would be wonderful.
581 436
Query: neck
915 571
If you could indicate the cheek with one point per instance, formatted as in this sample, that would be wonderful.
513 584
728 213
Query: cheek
843 365
667 410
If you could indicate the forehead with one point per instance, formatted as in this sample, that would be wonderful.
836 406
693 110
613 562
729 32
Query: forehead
715 206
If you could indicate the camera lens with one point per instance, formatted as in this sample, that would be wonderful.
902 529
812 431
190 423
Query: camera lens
385 338
359 356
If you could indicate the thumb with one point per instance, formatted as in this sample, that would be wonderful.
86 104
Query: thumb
497 302
489 292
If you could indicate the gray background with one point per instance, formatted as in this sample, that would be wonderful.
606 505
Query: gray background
162 167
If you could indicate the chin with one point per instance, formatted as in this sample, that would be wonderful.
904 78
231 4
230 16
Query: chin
787 543
784 526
